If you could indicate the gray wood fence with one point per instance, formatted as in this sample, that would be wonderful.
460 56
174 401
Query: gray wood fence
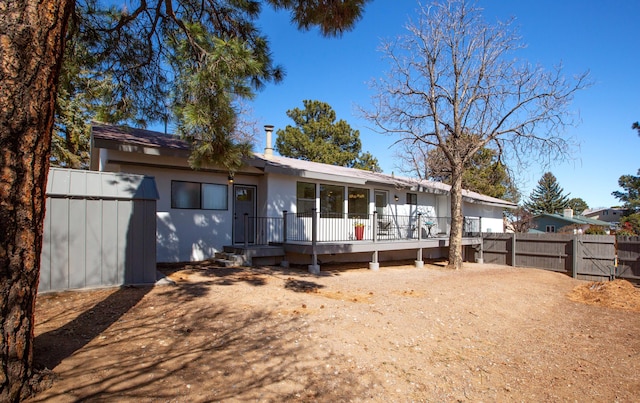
629 258
587 257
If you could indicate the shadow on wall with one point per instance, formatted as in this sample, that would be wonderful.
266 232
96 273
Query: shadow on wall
184 236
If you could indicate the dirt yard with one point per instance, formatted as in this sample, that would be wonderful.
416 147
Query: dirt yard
484 333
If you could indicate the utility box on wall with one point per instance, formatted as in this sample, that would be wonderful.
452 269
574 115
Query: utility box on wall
99 230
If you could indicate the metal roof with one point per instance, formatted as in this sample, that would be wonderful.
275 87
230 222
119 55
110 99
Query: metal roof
315 170
578 219
78 183
150 142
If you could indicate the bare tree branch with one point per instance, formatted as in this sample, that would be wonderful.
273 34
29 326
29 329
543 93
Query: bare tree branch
455 84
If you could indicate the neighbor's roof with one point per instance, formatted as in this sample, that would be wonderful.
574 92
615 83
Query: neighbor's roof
595 211
578 219
151 142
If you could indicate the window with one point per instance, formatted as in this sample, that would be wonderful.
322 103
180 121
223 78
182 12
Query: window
358 203
331 201
305 197
551 228
195 195
412 199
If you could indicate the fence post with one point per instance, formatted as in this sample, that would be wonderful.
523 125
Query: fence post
313 267
576 257
284 226
513 250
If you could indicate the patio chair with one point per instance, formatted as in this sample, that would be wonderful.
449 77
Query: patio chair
384 227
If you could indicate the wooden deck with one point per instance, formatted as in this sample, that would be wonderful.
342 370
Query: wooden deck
275 253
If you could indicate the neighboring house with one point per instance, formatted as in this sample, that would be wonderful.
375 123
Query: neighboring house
272 200
611 215
555 222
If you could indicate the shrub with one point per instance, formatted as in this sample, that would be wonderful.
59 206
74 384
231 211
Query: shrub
596 230
631 223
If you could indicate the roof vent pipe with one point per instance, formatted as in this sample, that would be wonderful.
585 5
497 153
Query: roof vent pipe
268 150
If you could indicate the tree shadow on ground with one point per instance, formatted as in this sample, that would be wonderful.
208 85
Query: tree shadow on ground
301 285
52 347
174 347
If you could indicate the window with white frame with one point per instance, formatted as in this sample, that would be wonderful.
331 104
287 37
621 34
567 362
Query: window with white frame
305 197
331 201
412 199
199 196
551 228
358 203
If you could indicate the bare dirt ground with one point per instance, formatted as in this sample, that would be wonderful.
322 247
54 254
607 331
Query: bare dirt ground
484 333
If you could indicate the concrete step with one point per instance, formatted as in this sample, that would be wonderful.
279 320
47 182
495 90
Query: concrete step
226 259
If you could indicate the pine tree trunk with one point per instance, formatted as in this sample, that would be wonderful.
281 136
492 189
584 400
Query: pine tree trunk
455 236
31 48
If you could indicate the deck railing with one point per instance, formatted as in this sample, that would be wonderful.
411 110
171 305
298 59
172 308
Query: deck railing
324 227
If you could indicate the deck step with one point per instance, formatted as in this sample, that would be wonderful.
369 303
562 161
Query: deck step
226 259
268 255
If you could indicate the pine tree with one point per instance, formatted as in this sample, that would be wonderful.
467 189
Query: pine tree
318 137
142 50
577 205
547 197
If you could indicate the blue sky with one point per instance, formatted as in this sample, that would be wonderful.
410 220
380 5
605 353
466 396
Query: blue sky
599 36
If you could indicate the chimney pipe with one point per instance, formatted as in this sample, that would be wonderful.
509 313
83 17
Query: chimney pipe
268 150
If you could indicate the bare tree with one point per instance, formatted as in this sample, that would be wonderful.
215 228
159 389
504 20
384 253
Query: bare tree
454 75
519 220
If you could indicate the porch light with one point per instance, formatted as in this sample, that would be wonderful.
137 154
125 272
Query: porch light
230 179
396 198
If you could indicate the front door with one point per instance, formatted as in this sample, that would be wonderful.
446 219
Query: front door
244 208
381 204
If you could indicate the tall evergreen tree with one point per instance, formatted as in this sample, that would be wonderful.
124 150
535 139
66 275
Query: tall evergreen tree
318 137
631 194
578 205
139 48
547 197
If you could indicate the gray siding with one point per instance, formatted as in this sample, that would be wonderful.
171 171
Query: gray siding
106 237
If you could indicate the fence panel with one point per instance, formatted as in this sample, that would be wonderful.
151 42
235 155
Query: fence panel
629 258
544 251
588 257
497 248
595 259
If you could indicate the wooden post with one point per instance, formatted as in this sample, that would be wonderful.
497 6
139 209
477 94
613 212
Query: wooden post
284 262
513 250
576 257
313 267
284 226
375 226
481 257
